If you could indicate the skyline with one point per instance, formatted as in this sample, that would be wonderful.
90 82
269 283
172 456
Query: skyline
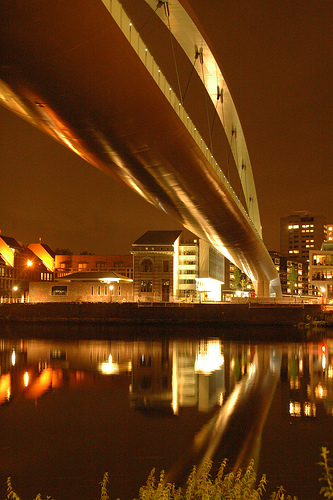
48 192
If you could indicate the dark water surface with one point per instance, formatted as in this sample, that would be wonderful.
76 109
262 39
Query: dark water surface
71 410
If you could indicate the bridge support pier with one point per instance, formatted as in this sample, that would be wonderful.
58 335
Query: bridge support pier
262 289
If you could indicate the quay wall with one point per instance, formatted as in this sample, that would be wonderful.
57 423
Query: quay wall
234 314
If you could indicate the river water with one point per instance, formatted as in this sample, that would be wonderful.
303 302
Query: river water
128 401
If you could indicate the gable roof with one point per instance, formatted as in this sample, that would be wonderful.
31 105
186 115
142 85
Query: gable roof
11 242
158 238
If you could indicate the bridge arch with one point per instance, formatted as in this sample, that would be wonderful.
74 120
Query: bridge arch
100 92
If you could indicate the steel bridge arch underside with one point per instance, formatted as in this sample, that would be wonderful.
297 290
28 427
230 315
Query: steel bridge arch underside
100 92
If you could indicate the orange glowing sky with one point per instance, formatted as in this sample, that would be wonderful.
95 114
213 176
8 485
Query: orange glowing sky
277 60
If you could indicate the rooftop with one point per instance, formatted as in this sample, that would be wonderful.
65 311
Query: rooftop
158 238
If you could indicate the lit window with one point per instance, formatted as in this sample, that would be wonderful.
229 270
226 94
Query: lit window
59 290
146 286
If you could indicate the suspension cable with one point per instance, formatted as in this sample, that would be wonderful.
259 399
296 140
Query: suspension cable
167 13
200 55
159 4
189 79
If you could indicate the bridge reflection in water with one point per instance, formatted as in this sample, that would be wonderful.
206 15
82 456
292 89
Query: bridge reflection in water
231 385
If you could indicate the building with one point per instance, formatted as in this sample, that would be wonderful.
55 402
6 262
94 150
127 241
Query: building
321 271
300 233
88 286
166 269
212 273
68 264
329 232
188 269
293 273
21 265
155 266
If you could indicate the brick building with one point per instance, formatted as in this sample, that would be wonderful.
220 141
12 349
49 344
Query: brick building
84 287
155 263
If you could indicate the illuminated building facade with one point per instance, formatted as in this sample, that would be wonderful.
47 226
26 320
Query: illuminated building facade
321 270
155 263
21 265
68 264
84 287
302 232
167 269
287 266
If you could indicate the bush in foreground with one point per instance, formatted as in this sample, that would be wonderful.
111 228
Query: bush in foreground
225 486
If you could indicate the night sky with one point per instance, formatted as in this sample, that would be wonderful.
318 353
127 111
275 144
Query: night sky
277 60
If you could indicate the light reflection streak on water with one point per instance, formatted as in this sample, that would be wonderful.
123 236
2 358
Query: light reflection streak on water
41 385
240 392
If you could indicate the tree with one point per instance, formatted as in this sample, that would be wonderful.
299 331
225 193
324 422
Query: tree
63 251
240 279
292 279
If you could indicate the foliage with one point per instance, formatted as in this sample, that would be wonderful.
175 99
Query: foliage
225 486
241 281
327 490
292 278
63 251
85 252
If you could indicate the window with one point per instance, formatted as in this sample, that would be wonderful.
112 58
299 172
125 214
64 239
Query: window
146 286
165 266
99 290
146 266
100 264
83 265
59 290
105 290
92 289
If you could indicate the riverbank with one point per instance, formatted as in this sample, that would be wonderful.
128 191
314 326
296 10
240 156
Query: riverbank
167 313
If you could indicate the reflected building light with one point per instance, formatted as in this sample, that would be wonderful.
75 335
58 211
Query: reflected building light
175 400
330 371
26 379
294 383
295 408
300 365
320 391
210 360
108 367
252 370
221 399
5 385
323 362
309 409
9 393
13 357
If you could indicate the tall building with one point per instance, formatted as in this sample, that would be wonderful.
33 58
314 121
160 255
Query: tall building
293 273
300 233
329 233
321 270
